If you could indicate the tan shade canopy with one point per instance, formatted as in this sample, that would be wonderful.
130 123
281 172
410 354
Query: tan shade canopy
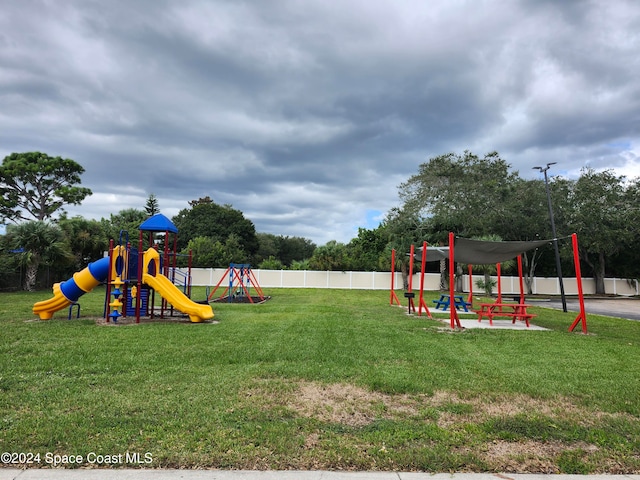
480 252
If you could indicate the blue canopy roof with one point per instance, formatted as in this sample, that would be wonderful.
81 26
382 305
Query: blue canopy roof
158 223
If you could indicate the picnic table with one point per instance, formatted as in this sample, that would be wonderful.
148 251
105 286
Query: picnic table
445 302
515 311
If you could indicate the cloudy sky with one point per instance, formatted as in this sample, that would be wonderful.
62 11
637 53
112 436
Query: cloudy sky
306 115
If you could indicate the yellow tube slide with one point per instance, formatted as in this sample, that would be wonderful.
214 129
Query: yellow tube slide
46 308
197 312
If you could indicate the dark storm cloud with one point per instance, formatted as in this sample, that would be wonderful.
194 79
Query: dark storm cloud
306 116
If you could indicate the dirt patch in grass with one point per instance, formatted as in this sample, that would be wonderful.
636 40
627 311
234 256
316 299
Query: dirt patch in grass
523 457
356 406
348 404
530 455
474 426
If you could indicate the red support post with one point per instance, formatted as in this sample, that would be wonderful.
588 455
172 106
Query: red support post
224 276
411 253
498 271
412 305
139 275
520 278
393 297
256 285
189 264
239 275
421 302
109 279
582 316
470 297
165 271
453 315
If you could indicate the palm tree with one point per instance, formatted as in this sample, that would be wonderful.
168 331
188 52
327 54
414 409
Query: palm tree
86 239
40 242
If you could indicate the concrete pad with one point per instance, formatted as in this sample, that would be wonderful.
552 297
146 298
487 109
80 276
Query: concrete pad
446 311
500 325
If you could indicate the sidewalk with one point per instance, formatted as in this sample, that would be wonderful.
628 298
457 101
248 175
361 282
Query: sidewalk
140 474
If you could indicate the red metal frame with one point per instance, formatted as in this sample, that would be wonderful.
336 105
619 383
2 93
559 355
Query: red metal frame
411 304
421 302
234 273
470 297
453 315
393 297
107 297
582 316
454 318
520 278
498 273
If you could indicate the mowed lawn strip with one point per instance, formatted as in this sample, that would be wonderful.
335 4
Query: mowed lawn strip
334 379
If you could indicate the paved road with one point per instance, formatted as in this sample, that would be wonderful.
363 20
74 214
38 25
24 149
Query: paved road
628 308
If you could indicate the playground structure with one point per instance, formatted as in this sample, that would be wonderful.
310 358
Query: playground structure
476 252
238 290
132 279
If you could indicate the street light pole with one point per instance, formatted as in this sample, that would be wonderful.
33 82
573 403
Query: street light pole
553 232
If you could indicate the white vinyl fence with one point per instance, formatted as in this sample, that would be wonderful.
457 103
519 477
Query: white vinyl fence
382 281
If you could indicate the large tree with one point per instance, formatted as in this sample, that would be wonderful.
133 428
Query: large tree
365 250
601 214
470 195
626 262
206 253
331 256
466 194
34 186
206 218
127 220
403 227
530 221
284 249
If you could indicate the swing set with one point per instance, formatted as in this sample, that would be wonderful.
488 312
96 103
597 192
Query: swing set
238 290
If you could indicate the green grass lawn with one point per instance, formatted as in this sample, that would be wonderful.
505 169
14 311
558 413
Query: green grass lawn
320 379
